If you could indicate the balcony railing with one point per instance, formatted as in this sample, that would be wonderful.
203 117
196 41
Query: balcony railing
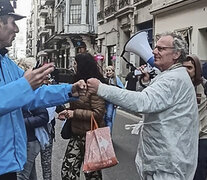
141 1
49 2
110 9
43 12
136 1
49 23
100 15
42 31
123 3
29 36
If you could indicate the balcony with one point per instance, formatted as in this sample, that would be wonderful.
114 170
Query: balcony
142 1
43 12
123 3
49 2
42 31
110 10
124 8
136 1
29 36
49 23
100 16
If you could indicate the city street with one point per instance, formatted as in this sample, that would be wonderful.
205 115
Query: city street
153 55
125 146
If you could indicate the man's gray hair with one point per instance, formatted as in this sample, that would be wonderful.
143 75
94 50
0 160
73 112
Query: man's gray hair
179 44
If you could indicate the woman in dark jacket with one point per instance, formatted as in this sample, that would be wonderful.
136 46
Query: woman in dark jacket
80 117
33 119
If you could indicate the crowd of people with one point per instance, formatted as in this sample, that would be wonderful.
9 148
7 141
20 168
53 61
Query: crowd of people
172 139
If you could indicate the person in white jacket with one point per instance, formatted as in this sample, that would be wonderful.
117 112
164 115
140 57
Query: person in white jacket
168 137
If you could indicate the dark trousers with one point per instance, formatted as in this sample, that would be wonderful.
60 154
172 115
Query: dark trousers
8 176
201 171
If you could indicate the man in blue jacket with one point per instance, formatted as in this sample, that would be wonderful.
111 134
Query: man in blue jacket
22 90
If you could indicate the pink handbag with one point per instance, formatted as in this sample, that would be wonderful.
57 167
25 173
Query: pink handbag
99 151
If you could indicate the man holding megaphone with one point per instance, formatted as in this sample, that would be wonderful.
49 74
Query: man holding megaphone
139 45
168 137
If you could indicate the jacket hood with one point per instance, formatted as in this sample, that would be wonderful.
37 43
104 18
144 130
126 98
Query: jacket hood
198 70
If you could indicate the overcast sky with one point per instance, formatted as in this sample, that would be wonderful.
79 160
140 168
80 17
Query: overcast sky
23 8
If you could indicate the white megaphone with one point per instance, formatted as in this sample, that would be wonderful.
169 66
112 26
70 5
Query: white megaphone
139 45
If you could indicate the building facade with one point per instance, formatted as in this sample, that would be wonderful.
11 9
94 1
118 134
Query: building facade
59 29
185 16
118 20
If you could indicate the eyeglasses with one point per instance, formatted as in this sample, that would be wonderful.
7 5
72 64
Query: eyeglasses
163 48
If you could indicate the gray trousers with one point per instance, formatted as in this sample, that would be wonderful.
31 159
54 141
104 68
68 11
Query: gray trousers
29 171
46 161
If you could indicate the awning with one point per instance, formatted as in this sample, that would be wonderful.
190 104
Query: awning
49 50
45 52
41 54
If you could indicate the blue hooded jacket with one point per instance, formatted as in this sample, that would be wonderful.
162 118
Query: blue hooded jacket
15 94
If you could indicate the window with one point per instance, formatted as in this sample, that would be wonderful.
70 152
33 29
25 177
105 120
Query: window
111 2
186 33
75 12
100 46
111 55
101 5
147 27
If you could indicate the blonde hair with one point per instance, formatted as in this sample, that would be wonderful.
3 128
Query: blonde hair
114 75
110 68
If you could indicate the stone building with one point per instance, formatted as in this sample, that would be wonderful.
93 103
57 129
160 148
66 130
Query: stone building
118 20
59 29
185 16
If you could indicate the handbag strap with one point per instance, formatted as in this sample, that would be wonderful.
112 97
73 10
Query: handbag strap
94 124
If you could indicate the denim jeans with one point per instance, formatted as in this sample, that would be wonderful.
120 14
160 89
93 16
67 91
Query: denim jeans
110 115
29 171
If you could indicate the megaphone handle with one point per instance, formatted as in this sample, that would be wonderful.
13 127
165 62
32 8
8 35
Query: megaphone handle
128 62
122 54
137 72
146 69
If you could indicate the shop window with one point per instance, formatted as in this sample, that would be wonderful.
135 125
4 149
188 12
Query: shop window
111 55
